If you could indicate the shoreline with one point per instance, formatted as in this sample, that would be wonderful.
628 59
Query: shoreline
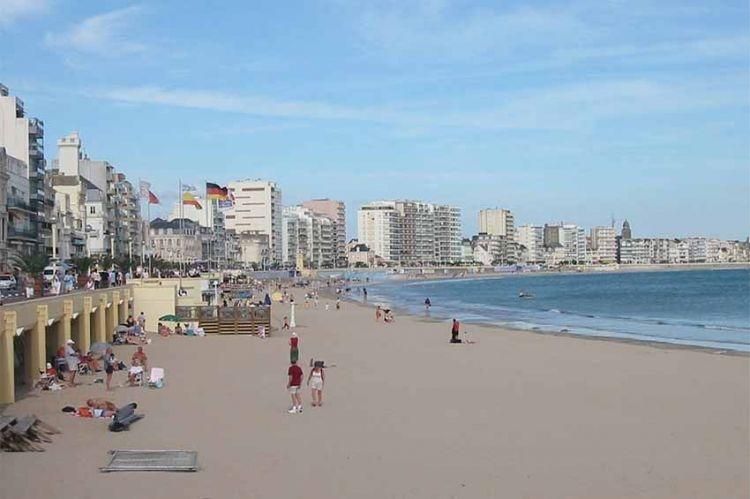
491 274
400 311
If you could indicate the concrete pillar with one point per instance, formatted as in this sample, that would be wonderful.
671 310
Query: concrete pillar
7 371
84 325
114 311
124 307
100 320
64 325
38 341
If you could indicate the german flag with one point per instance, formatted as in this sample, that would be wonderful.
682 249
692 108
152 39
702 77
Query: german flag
189 198
215 191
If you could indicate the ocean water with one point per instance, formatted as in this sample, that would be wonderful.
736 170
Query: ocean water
709 308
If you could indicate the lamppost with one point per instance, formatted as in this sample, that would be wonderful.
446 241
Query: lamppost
53 222
292 322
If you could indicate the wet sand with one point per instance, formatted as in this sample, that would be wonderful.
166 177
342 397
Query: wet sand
407 415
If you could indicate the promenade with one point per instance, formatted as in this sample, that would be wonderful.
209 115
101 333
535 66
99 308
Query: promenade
406 415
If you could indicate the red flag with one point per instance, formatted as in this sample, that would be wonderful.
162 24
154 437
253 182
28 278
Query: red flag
152 199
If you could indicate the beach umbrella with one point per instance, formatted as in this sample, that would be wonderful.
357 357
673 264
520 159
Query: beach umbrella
277 296
169 317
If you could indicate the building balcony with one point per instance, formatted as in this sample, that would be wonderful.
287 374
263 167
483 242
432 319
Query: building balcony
36 127
18 204
22 233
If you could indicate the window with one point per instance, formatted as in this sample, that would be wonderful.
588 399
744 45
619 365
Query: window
92 210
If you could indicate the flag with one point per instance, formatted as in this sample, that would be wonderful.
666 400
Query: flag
188 188
190 199
215 191
225 204
144 188
152 199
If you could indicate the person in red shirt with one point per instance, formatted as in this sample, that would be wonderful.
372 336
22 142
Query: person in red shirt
294 384
294 348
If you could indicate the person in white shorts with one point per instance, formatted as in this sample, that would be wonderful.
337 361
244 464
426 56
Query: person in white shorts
315 381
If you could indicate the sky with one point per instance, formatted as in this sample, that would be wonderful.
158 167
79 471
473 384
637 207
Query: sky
575 111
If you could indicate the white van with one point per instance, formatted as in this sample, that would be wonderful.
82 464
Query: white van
55 268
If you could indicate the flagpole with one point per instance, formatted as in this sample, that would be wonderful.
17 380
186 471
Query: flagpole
179 263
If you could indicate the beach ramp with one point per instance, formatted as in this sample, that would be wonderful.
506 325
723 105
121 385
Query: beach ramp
151 460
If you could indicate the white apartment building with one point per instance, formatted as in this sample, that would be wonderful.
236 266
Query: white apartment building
603 245
447 234
531 237
378 227
257 211
336 212
20 230
573 240
176 241
497 222
411 232
310 235
23 139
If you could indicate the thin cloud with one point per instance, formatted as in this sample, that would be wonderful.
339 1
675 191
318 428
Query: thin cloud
105 35
569 108
12 11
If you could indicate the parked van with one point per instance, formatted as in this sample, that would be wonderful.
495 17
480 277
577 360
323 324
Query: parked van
59 268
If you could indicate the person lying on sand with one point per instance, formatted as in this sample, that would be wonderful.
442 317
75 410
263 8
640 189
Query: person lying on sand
101 408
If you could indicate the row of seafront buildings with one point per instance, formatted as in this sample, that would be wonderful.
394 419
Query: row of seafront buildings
256 230
78 207
415 233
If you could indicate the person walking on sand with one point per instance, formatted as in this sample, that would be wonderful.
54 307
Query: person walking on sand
427 305
378 313
110 362
285 326
315 381
294 348
364 293
338 303
293 384
142 322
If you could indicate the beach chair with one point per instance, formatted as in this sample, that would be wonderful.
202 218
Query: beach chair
124 417
137 373
156 377
24 434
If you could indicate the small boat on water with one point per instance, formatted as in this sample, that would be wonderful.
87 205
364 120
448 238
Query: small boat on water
523 294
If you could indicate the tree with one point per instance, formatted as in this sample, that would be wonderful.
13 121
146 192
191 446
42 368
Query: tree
31 264
83 264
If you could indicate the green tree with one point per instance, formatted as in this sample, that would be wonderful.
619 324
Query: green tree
31 264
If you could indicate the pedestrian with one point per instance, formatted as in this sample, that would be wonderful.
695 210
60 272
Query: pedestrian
338 303
110 362
293 384
142 322
427 304
285 326
454 332
378 313
315 381
29 282
72 360
294 348
364 293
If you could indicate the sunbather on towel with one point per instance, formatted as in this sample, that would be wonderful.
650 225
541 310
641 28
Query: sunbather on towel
101 408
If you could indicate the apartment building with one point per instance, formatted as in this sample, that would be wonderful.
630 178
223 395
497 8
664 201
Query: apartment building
603 245
23 139
530 238
308 235
176 240
336 212
496 222
411 232
257 213
573 241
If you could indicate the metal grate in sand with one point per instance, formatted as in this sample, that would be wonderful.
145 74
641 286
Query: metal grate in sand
152 460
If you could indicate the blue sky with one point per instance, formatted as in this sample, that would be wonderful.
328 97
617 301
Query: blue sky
567 111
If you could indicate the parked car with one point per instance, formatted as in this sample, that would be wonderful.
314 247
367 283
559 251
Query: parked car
7 282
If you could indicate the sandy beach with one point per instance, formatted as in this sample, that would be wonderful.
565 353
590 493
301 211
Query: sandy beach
407 415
